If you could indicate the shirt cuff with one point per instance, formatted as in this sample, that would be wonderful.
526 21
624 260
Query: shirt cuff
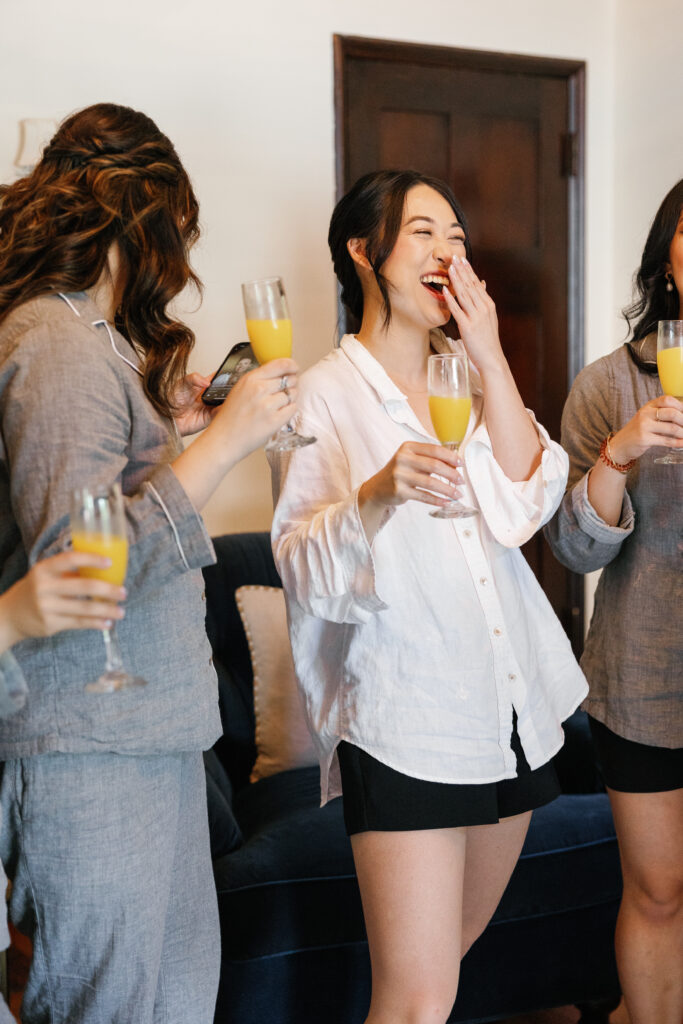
590 522
358 561
192 539
515 510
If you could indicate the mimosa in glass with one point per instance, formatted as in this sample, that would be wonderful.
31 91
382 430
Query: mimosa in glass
450 403
98 527
270 333
670 366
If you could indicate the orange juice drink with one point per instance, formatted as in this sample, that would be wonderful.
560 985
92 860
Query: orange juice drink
270 339
450 417
115 548
670 366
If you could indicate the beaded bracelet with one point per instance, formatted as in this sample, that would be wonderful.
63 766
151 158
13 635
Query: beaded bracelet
606 456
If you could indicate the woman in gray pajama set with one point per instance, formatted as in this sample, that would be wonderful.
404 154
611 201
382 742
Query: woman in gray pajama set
105 830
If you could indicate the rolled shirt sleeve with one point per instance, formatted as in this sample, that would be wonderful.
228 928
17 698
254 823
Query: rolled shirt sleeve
515 510
579 537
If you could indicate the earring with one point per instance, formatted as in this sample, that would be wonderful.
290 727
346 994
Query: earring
669 282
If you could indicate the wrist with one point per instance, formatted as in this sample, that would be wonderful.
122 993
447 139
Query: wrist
614 456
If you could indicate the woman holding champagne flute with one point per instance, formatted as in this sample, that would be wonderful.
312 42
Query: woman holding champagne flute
435 675
622 514
105 833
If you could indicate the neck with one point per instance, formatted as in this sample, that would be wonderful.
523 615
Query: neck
102 294
402 349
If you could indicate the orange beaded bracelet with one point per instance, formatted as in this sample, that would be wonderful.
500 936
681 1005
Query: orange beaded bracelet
606 456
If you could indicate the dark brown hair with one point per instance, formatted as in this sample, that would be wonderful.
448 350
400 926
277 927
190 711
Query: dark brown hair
373 210
108 175
653 302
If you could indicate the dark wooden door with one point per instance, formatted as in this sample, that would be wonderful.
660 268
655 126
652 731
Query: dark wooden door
506 133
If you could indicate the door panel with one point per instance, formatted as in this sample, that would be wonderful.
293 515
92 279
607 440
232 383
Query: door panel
494 127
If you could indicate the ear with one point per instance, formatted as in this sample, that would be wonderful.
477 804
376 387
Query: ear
356 250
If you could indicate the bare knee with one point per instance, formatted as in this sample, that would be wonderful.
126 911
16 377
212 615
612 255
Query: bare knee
656 896
424 1002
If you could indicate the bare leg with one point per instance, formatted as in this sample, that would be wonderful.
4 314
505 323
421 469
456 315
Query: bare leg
412 889
491 854
649 936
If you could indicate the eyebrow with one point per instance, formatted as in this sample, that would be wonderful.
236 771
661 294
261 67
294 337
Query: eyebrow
431 221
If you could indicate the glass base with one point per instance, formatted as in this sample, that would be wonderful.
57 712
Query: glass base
289 442
454 510
672 459
110 682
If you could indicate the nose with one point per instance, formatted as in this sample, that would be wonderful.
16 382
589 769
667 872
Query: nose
442 252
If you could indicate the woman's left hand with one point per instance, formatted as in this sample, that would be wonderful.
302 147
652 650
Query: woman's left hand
474 312
192 415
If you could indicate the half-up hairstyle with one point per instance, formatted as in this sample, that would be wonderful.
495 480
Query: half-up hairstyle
373 210
653 301
108 175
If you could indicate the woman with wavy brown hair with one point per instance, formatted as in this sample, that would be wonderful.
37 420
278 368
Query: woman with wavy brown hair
105 829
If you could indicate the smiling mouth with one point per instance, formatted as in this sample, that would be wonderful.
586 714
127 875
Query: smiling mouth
435 283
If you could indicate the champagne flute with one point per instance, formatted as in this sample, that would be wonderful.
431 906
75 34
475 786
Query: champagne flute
270 333
670 366
450 402
98 526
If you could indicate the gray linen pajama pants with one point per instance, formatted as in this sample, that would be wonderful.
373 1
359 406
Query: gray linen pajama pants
112 880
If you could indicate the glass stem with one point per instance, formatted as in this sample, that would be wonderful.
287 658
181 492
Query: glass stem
112 650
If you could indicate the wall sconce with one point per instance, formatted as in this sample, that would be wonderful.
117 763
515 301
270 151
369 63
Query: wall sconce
36 132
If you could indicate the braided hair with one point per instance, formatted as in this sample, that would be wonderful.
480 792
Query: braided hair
107 176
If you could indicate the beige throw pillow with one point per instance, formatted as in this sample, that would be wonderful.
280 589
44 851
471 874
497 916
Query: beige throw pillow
282 737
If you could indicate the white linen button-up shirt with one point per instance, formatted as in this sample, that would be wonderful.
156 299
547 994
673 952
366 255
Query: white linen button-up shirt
416 647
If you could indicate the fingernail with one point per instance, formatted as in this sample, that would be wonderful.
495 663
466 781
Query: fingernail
107 623
123 593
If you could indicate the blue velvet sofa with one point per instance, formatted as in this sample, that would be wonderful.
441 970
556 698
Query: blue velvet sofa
294 949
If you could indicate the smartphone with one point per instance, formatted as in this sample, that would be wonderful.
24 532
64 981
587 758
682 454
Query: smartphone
239 360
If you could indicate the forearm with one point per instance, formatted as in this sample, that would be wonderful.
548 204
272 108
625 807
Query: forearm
514 439
606 488
204 463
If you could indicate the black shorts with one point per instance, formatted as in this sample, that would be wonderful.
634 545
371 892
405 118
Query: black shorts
631 767
380 799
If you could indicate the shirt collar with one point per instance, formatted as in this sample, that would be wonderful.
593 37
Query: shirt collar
379 380
82 306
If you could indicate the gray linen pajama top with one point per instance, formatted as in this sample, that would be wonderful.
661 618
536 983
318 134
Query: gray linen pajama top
73 413
633 657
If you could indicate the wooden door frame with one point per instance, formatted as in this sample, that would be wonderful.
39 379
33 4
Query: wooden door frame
573 72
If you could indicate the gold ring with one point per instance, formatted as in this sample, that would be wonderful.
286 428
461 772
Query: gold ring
657 413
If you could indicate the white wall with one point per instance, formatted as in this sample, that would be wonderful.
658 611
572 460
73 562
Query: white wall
245 92
648 135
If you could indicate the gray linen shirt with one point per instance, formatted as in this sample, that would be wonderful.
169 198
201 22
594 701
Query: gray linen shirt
633 658
73 413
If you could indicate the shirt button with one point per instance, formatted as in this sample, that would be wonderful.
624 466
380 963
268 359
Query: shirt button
467 533
203 595
483 581
498 631
512 676
211 661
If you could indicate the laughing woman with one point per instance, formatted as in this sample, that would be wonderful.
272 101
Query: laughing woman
434 673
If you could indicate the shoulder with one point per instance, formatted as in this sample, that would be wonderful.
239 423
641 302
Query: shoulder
46 333
329 377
